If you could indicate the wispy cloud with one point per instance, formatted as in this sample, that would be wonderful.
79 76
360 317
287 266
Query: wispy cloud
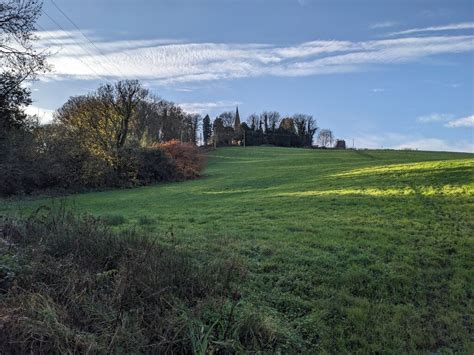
385 24
208 107
461 122
437 144
450 27
449 119
378 90
411 141
435 117
166 62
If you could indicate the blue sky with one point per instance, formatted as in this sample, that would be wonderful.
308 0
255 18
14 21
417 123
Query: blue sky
391 74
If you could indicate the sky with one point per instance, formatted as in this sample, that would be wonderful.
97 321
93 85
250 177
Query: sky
380 74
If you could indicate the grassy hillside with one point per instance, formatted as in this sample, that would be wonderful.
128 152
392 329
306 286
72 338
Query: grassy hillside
347 250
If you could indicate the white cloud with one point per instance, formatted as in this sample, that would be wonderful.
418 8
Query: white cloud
408 141
437 144
208 107
449 119
384 24
461 122
163 62
435 117
45 115
378 90
450 27
184 89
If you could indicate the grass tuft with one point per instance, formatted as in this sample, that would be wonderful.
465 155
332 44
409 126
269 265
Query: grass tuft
113 219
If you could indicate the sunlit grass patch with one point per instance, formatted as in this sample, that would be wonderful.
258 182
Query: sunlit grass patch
425 191
410 167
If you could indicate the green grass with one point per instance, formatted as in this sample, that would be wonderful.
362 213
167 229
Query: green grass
360 251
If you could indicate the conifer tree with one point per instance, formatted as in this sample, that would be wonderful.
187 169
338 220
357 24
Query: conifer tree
206 129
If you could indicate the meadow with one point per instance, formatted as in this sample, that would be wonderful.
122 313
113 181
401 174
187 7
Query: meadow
347 251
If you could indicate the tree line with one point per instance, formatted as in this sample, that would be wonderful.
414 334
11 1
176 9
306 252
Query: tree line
269 127
118 135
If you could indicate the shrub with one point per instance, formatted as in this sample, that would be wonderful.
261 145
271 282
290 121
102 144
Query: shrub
50 159
142 166
187 158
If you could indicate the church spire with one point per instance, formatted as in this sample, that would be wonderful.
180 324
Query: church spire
237 120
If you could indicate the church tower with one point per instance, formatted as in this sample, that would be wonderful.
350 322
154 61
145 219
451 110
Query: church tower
237 120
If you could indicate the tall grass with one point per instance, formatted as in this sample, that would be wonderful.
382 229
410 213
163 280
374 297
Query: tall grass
68 284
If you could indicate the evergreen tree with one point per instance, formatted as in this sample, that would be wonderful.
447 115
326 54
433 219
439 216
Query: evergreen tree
206 129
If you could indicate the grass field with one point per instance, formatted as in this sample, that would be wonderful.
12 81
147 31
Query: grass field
360 251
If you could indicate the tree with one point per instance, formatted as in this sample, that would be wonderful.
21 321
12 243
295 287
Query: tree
273 120
125 96
146 128
103 119
253 121
312 128
171 121
325 138
190 127
19 61
17 25
288 125
227 118
206 129
222 135
13 98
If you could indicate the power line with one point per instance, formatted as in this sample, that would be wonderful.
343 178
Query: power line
79 44
77 58
82 33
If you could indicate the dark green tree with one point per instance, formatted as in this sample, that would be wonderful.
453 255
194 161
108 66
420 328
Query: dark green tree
206 129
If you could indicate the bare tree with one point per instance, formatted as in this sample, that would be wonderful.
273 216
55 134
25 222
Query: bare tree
126 95
17 27
18 61
325 138
253 121
273 120
227 118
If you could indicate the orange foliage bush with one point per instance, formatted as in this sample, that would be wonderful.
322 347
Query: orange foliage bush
188 159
